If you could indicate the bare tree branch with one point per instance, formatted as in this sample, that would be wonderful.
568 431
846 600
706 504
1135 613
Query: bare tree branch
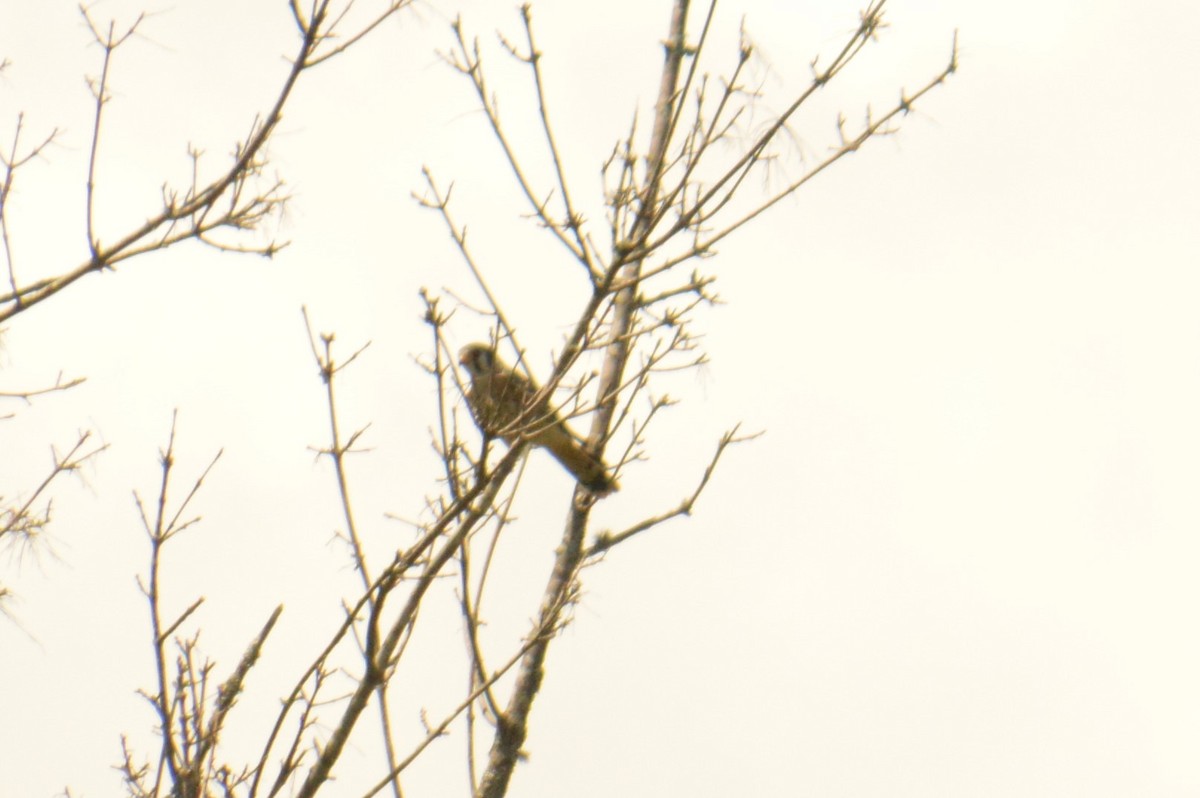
23 522
236 201
606 541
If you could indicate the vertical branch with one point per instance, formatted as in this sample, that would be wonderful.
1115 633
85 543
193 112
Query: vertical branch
157 535
337 452
447 442
110 42
512 726
12 161
625 303
572 219
170 702
338 449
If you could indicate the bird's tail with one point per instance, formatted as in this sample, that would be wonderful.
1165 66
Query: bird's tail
583 465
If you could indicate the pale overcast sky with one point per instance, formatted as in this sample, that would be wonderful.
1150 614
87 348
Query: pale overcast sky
962 558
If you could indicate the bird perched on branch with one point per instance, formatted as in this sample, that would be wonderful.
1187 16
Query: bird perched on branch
507 405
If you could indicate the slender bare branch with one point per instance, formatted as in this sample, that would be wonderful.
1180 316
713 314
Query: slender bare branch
22 522
232 202
606 541
13 160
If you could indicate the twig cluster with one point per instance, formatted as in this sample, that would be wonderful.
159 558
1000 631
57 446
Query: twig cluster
25 518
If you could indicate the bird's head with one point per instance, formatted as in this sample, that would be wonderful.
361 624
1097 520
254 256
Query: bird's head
479 360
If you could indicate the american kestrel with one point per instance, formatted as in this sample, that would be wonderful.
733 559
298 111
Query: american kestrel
501 399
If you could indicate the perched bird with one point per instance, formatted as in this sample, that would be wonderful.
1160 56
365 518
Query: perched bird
506 404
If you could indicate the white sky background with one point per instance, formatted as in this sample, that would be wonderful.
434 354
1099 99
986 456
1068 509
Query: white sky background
961 560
